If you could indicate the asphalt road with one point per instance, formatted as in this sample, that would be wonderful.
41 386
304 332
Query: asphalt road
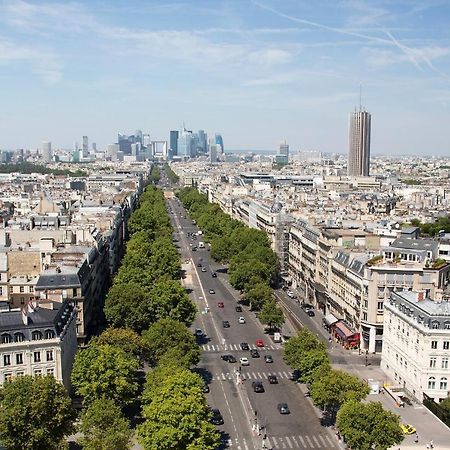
233 395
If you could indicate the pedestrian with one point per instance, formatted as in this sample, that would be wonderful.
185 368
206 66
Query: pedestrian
417 438
428 447
431 444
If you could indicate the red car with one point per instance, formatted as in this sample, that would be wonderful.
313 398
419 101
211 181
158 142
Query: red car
220 304
259 343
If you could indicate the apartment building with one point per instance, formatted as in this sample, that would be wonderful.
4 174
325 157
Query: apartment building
38 340
416 349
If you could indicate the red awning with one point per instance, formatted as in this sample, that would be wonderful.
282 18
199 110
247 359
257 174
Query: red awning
345 332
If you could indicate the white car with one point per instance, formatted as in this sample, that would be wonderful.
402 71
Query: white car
290 294
198 332
244 361
241 319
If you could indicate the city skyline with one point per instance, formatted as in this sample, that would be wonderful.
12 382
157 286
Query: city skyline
259 71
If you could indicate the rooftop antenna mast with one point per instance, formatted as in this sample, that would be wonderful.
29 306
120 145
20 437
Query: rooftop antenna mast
360 97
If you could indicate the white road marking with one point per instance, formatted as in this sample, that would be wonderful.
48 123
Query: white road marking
303 442
309 441
329 440
289 442
316 441
323 440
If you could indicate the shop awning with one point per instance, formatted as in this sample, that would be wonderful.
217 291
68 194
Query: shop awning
329 320
345 332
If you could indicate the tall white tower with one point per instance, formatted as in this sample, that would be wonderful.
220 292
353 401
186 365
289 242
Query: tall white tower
359 144
46 151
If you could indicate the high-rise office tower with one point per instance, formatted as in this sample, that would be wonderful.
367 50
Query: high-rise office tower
94 147
185 144
283 154
46 151
85 146
202 144
173 142
219 141
359 144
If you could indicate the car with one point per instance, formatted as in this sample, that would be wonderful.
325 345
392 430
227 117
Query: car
254 353
244 346
220 305
194 249
283 408
238 308
212 291
206 388
258 386
216 418
198 332
226 324
268 358
307 306
290 294
272 379
259 343
229 358
214 275
244 361
241 319
407 428
310 313
203 269
199 264
294 375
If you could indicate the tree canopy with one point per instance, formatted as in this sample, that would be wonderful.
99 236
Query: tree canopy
367 426
36 413
271 314
104 427
105 371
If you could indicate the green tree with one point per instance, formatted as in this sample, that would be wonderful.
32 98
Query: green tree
166 334
257 295
244 274
336 387
299 345
36 413
271 314
310 362
169 300
177 417
129 306
165 260
367 426
104 427
126 339
105 371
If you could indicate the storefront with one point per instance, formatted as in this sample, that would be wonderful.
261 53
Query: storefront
328 321
345 335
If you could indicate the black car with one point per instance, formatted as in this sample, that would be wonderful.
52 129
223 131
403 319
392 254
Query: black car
258 386
244 346
310 313
283 408
268 359
226 324
307 306
254 353
238 308
229 358
272 379
216 418
199 264
214 275
295 375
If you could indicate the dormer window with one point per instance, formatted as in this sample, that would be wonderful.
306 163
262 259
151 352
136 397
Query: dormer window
6 338
49 334
435 324
36 335
19 337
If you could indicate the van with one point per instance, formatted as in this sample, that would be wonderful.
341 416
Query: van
277 337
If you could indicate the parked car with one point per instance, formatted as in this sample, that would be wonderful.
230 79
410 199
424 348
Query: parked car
216 418
258 386
407 428
283 408
310 313
294 375
307 306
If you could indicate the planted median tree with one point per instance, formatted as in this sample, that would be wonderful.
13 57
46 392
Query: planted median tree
36 414
104 427
258 294
271 314
368 426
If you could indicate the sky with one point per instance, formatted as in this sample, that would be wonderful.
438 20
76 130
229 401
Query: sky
257 71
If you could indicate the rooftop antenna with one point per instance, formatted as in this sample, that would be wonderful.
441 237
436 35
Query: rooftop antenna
360 96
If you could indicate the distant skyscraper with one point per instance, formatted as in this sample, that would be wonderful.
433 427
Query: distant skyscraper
359 144
284 149
213 150
202 144
125 142
185 144
219 141
112 151
94 147
173 142
46 151
85 146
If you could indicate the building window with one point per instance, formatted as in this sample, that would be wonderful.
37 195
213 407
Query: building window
19 358
447 325
11 289
19 337
21 289
434 345
8 376
6 360
20 374
431 383
49 355
22 300
380 306
443 384
36 335
364 316
446 345
37 372
49 334
37 356
435 324
433 362
51 372
31 288
1 290
445 363
6 338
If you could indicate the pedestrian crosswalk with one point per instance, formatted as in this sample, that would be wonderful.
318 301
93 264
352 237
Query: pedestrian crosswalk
249 375
299 441
236 347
